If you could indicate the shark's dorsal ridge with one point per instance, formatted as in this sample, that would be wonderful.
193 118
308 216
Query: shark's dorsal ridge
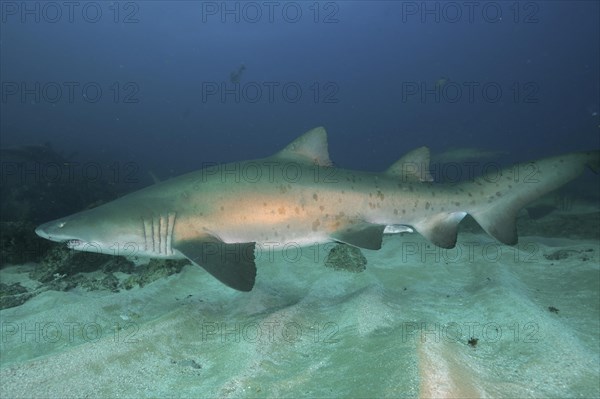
413 166
311 147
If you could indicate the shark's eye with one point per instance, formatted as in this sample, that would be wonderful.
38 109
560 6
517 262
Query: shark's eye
61 225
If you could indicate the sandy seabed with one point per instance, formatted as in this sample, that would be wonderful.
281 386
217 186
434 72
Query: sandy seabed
480 320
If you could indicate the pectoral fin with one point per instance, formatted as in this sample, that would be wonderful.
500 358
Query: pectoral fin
231 264
361 235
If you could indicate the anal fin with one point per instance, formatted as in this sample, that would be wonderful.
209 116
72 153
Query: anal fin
231 264
441 229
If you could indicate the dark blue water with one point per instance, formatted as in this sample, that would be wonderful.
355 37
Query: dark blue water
151 82
97 95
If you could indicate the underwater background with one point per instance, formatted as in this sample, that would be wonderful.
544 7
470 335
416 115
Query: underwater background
99 99
145 77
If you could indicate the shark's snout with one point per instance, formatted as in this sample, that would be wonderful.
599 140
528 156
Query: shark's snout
40 232
52 231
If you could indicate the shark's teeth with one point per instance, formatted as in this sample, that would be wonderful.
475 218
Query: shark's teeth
73 244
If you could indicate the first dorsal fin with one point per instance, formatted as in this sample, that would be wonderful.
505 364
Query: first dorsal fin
310 147
414 166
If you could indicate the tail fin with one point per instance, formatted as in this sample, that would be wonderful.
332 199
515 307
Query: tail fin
503 194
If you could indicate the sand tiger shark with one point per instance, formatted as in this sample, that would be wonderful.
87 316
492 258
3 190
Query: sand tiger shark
218 215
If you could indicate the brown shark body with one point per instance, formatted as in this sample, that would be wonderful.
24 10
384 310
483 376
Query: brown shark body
216 216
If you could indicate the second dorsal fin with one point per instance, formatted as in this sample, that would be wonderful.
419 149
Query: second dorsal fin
414 166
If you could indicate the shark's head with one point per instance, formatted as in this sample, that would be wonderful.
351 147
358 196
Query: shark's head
100 230
70 229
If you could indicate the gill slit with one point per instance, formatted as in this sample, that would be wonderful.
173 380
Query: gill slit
158 233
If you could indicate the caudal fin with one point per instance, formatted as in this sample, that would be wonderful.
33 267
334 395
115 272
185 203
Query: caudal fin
496 198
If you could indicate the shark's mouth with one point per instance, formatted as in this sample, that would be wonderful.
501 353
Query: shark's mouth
74 243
